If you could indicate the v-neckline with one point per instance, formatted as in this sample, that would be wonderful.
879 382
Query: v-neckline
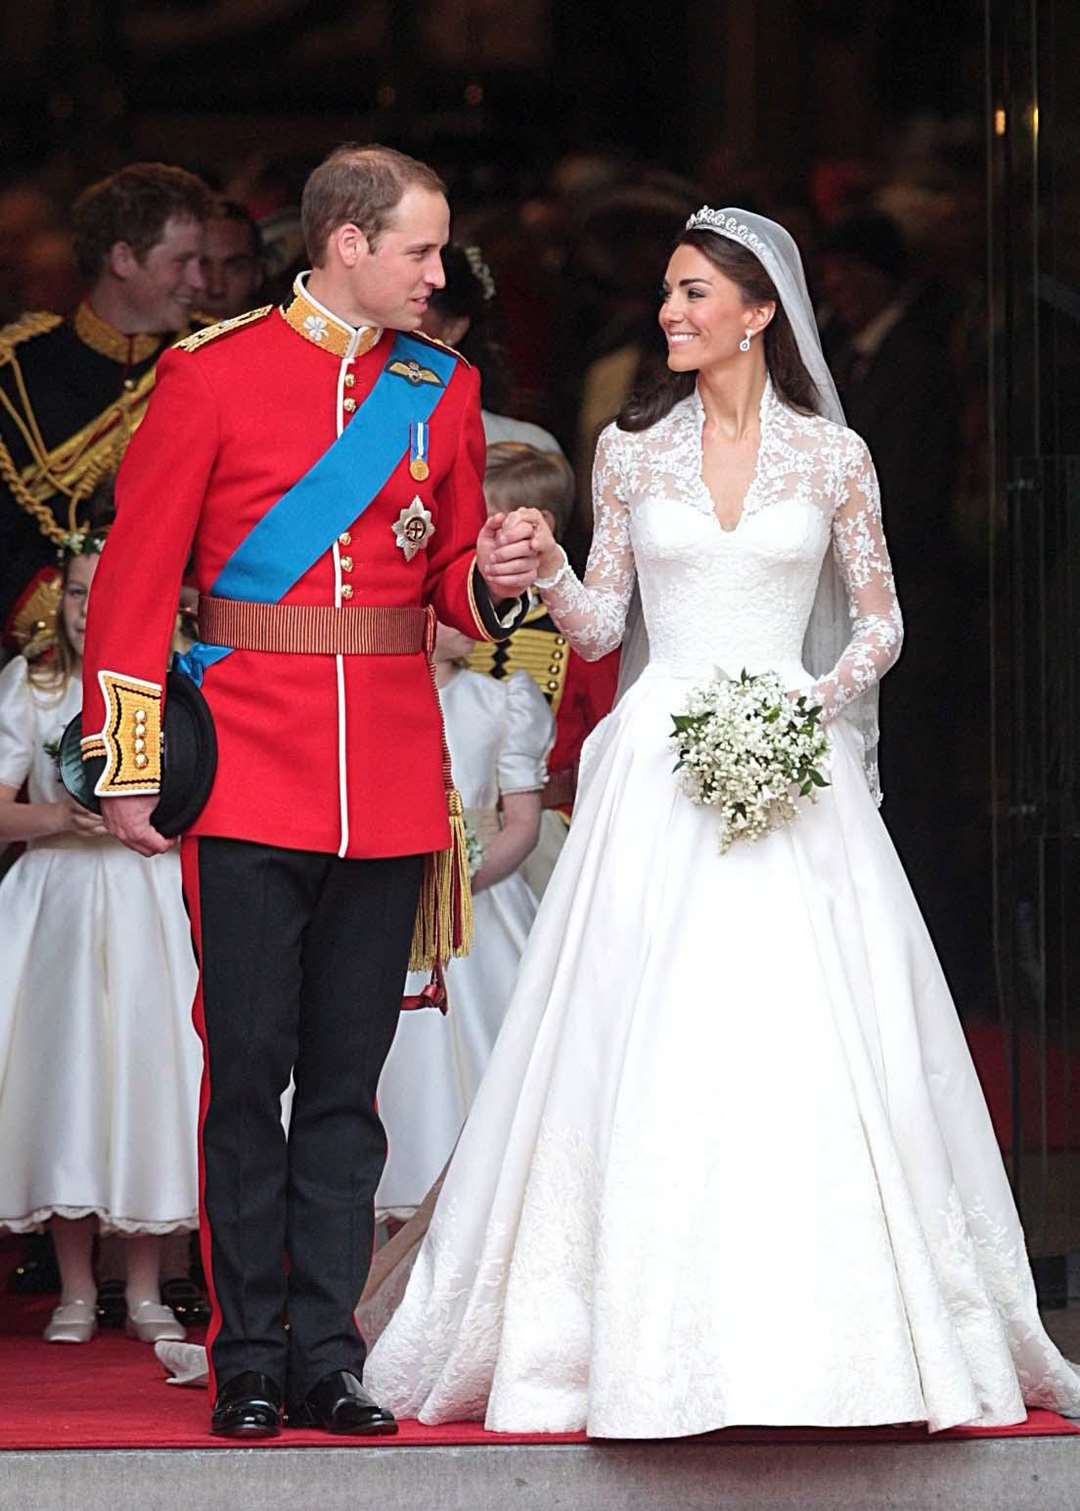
699 409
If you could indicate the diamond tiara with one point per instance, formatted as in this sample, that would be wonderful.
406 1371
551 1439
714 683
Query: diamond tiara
707 219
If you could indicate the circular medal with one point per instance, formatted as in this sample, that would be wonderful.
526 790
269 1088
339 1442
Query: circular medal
419 469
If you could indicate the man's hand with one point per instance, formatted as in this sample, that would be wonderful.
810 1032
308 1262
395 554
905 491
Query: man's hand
128 819
505 557
549 554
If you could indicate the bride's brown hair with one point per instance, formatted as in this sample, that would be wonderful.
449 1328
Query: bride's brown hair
656 397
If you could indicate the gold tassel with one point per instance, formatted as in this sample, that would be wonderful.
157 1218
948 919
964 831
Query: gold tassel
444 917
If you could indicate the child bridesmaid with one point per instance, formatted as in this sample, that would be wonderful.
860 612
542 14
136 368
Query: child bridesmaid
99 1062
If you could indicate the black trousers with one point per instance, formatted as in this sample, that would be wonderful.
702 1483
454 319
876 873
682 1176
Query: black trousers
302 964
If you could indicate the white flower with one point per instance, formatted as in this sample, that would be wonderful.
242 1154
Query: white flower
315 327
749 751
474 848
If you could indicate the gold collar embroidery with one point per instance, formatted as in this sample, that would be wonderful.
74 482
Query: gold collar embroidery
107 341
324 329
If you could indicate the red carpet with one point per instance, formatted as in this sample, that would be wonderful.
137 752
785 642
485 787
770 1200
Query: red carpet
111 1393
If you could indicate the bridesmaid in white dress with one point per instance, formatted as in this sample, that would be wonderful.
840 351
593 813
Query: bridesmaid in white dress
726 1077
99 1062
499 734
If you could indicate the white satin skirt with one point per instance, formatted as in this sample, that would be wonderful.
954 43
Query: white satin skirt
730 1162
437 1062
99 1062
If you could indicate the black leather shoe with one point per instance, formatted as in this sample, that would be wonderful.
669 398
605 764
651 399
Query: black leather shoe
187 1302
247 1406
111 1304
339 1403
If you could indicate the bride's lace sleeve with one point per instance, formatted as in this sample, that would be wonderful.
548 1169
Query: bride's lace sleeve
877 629
592 614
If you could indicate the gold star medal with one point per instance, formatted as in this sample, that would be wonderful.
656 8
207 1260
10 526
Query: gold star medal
414 528
418 451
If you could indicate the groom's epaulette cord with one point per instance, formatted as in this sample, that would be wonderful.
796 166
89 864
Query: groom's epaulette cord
434 341
223 328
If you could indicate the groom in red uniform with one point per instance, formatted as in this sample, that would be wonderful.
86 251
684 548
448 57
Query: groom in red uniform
320 466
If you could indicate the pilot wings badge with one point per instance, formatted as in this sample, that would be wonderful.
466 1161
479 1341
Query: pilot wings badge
415 374
413 528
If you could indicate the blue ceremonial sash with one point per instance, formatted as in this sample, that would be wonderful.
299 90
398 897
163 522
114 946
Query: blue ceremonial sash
350 475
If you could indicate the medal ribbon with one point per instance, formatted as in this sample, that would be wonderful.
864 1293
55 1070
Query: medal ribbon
418 449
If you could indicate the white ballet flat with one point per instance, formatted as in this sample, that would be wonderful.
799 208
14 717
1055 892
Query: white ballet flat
151 1322
72 1322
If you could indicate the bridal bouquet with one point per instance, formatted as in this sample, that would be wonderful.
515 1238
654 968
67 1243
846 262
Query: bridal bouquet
474 848
749 751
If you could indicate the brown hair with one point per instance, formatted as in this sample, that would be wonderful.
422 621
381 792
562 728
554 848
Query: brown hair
133 205
361 186
519 476
53 670
658 396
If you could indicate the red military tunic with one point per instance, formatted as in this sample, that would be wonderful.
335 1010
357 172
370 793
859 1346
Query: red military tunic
336 754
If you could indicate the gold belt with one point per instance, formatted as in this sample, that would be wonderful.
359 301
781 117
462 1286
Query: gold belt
313 629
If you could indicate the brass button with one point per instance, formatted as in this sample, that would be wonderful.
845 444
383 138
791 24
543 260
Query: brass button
140 718
560 639
348 405
344 539
553 687
140 745
346 590
554 669
350 379
129 385
346 563
557 655
141 761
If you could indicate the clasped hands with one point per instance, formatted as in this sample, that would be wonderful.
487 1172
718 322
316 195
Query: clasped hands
514 549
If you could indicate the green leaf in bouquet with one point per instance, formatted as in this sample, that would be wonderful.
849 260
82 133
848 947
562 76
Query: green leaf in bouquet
817 779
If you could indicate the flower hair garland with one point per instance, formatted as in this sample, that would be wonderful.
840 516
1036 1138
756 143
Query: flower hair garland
82 543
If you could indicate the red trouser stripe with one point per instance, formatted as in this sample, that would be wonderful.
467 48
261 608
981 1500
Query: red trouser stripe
189 866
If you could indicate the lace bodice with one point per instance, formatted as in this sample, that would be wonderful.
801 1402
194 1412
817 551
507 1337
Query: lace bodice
742 597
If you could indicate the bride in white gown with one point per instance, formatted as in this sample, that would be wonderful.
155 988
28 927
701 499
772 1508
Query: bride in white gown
730 1162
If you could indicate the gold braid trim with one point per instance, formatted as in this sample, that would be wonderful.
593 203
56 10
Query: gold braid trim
78 464
444 917
434 341
130 736
193 342
41 512
34 323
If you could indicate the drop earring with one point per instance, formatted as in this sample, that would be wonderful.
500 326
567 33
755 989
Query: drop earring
744 344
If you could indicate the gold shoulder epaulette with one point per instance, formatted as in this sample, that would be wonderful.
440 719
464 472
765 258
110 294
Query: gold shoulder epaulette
34 323
434 341
212 332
